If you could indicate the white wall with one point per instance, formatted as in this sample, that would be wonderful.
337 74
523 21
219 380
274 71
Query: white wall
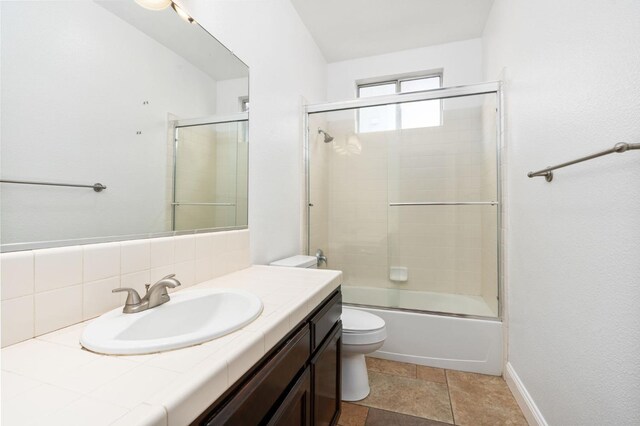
573 245
229 93
461 62
285 65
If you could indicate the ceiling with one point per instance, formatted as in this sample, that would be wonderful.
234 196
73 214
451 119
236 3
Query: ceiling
347 29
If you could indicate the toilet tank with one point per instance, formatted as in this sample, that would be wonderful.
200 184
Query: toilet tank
297 262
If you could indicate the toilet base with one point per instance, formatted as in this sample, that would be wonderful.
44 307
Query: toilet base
355 379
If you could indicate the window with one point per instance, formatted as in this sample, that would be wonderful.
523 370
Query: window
400 116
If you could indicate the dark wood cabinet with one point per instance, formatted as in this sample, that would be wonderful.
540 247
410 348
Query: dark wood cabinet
296 383
326 374
295 410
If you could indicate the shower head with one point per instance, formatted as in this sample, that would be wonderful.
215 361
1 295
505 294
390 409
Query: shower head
327 137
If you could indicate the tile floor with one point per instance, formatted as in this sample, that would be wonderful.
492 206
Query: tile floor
413 395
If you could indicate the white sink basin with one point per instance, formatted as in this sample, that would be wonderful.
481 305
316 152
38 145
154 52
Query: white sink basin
189 318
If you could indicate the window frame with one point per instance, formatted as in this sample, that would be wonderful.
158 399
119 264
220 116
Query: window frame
397 81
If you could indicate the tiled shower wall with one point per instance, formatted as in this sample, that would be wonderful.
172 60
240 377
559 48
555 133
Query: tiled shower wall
44 290
242 175
197 176
319 153
229 151
449 249
489 218
212 168
441 245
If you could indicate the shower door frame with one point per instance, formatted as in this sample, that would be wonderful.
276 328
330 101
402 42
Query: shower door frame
494 87
194 122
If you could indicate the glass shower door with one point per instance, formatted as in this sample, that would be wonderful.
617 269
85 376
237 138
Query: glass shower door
409 214
443 212
209 188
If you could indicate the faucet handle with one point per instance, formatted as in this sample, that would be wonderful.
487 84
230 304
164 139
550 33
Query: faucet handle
321 258
133 298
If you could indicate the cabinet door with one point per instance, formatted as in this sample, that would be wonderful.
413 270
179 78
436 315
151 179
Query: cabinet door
257 397
326 379
295 410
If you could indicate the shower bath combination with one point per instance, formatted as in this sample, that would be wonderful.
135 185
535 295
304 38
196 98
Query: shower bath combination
424 197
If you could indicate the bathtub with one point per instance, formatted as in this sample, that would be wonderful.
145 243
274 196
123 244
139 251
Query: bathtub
435 340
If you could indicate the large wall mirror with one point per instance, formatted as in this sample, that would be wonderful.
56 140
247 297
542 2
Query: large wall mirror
142 102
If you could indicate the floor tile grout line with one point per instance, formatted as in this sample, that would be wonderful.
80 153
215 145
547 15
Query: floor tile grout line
369 407
446 376
405 415
366 417
447 383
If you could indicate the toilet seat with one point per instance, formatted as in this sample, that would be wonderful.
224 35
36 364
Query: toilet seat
364 338
362 328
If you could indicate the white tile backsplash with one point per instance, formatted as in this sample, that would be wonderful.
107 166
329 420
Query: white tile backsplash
17 320
162 252
17 274
57 309
45 290
204 246
219 242
185 273
136 281
156 274
57 268
97 297
100 261
237 240
203 269
135 256
185 248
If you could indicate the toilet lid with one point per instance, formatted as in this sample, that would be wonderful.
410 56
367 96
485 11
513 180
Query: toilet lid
354 320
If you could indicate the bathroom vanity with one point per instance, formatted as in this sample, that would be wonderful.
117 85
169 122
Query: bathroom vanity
282 368
296 383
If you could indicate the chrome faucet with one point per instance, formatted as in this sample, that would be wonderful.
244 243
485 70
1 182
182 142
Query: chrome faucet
321 258
156 295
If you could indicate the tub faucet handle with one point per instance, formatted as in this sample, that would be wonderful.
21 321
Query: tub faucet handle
321 258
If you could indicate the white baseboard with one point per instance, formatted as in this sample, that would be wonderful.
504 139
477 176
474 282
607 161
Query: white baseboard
524 400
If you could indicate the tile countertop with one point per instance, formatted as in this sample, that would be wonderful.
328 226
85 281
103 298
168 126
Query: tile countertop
52 380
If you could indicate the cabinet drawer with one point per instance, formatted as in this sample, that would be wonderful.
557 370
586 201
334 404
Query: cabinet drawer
255 399
325 319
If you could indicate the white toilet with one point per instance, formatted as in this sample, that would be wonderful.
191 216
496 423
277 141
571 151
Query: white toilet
362 333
